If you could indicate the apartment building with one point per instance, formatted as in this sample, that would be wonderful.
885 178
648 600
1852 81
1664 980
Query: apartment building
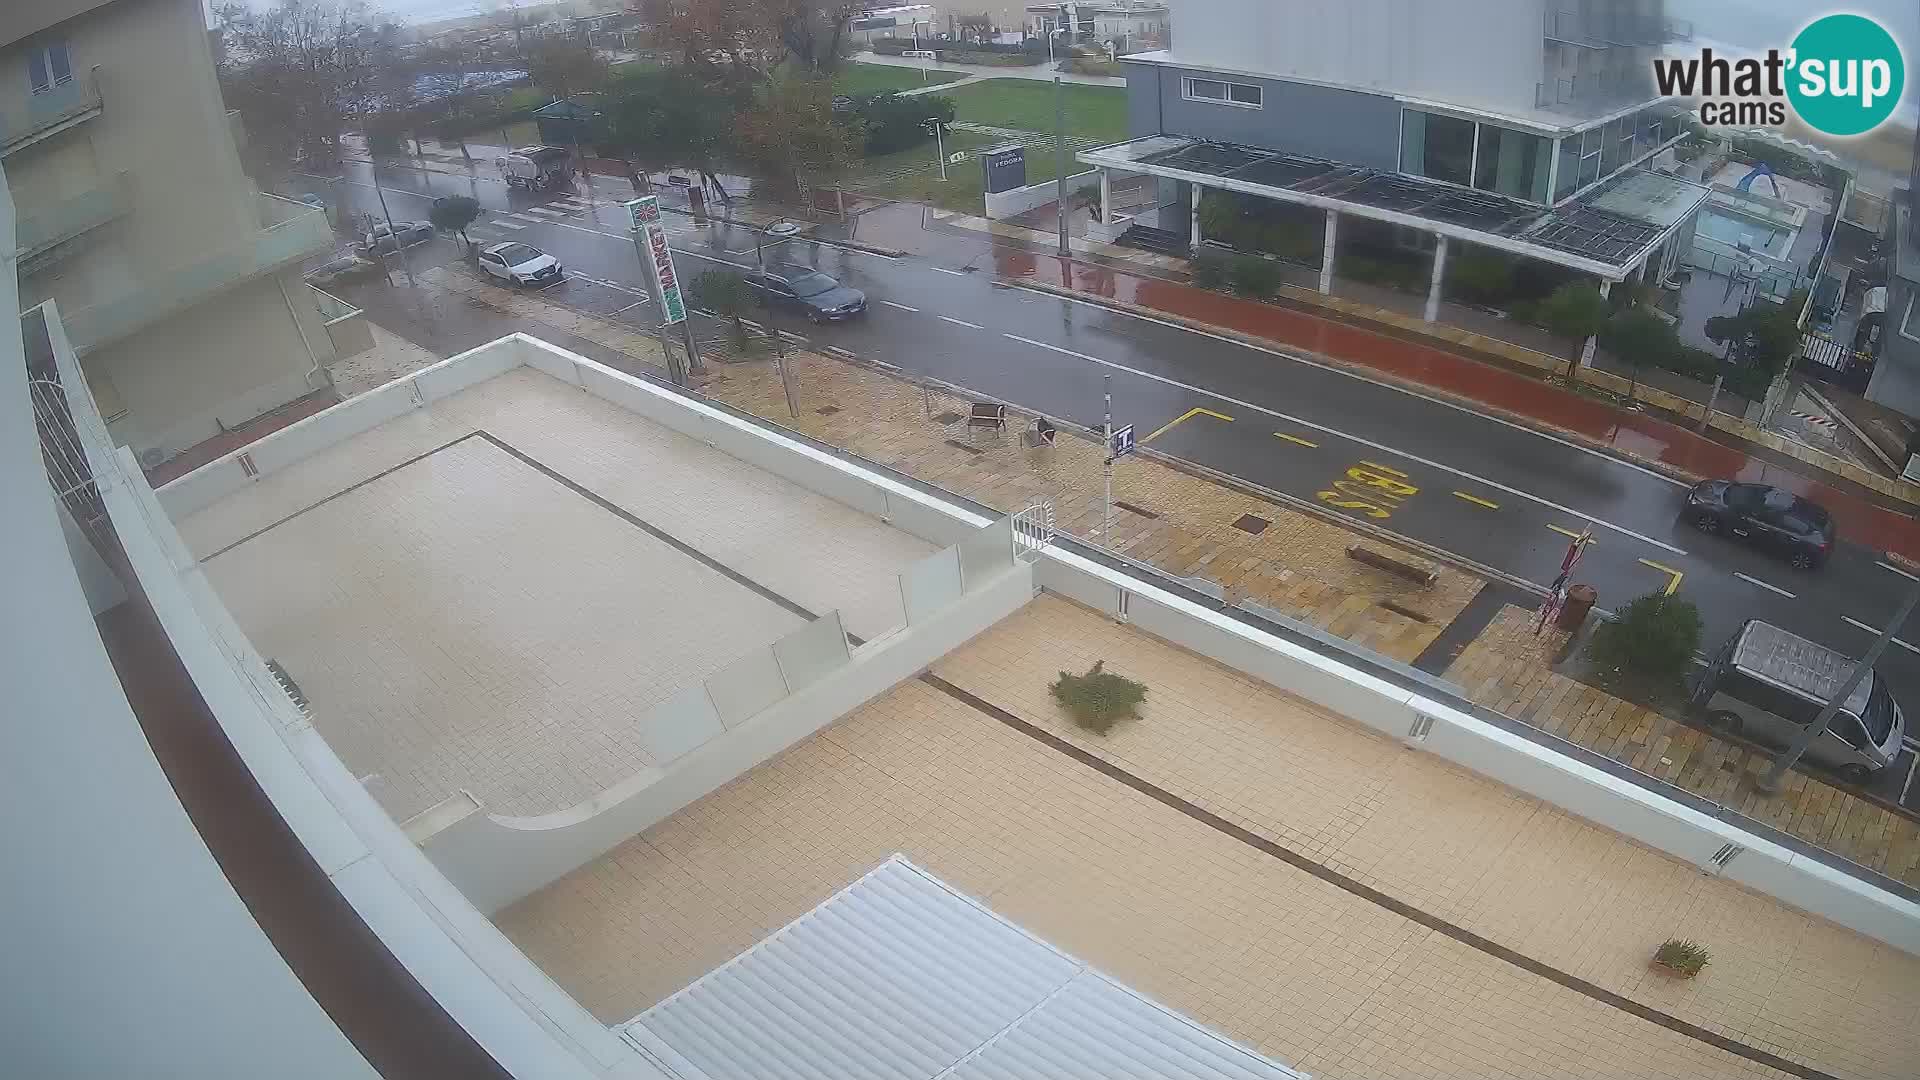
1516 125
1896 377
178 281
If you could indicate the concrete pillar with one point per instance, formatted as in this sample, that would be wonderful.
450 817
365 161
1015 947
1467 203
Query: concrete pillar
1326 252
1106 196
1193 220
1439 275
1586 351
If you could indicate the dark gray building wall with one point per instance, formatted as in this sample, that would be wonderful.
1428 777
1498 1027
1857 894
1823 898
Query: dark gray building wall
1298 118
1896 374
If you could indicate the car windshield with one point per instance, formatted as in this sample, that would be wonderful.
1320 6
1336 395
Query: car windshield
1878 715
515 254
812 284
1747 497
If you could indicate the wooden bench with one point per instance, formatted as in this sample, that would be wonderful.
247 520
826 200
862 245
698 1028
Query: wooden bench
985 415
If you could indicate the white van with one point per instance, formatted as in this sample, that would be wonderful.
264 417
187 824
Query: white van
1769 686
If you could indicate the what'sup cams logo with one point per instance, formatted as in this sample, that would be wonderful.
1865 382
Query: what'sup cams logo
1843 75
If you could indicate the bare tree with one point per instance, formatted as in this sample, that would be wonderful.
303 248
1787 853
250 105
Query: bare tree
298 70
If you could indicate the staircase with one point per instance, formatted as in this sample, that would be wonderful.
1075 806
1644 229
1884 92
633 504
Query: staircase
1158 241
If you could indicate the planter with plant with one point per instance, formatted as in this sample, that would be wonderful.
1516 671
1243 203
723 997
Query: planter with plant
1647 647
1099 699
1680 957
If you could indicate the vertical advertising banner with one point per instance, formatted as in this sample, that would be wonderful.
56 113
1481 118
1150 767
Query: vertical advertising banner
644 213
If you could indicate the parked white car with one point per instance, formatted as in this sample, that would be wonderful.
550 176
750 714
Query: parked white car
520 264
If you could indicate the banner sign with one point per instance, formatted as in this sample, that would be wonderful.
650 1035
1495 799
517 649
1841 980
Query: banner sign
644 213
1004 168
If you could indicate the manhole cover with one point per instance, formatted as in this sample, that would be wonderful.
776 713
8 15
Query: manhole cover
946 418
827 410
1250 524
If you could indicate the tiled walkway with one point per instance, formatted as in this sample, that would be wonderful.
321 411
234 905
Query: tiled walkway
1311 972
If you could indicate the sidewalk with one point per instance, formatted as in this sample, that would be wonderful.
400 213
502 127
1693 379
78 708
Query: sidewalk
1527 399
1043 72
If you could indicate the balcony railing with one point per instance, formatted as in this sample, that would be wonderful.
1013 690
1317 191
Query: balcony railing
38 232
1572 28
289 231
23 123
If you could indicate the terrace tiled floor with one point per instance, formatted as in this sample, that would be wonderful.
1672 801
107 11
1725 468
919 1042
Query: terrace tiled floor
468 621
1313 973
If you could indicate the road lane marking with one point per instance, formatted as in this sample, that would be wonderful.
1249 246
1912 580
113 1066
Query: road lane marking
1874 630
1415 458
1764 585
1884 565
499 223
1298 359
960 322
1384 469
902 307
843 352
1369 490
544 211
1569 533
1673 576
1295 439
1183 418
944 270
631 306
1476 500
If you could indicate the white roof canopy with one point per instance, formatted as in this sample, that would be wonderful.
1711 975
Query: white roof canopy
899 976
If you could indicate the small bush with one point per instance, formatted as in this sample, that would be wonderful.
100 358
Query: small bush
1254 276
1479 276
1209 270
1099 699
1681 956
1649 644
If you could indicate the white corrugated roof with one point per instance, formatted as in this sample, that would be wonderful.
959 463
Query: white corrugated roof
899 976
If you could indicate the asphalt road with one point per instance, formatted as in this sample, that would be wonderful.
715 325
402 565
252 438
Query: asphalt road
1495 493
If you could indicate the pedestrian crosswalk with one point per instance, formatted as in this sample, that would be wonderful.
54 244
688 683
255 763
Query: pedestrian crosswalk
499 224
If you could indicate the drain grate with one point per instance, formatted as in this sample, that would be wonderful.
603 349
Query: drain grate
827 410
1248 523
958 445
946 418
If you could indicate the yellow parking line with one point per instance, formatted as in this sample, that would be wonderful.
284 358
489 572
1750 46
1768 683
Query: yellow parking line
1476 500
1570 534
1294 439
1674 576
1385 469
1183 418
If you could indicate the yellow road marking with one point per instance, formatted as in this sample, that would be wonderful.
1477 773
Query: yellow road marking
1673 584
1292 439
1570 534
1476 500
1183 418
1385 469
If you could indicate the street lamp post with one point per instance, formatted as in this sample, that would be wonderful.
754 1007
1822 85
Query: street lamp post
1060 160
939 145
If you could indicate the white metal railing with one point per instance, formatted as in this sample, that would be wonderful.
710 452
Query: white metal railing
331 307
43 111
1033 530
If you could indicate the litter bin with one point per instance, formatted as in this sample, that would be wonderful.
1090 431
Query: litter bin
1580 600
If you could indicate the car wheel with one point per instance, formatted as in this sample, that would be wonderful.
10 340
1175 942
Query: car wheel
1707 522
1857 775
1724 722
1802 560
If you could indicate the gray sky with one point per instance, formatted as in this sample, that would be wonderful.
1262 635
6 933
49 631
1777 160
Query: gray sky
1760 24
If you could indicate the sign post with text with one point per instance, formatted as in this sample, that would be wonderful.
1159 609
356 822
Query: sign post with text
656 258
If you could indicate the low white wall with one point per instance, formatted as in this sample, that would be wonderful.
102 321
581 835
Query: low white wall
1019 200
496 860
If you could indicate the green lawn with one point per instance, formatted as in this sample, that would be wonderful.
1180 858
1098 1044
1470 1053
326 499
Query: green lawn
856 79
1093 112
961 191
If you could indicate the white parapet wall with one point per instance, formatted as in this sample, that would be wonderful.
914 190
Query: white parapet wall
1016 201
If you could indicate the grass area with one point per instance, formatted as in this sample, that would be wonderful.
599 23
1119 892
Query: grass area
1093 112
963 189
856 79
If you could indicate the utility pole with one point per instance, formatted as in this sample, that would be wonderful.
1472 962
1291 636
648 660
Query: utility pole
1106 428
1770 782
405 266
1060 157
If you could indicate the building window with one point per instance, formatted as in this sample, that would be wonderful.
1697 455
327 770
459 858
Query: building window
1569 176
1909 328
1440 147
48 66
1221 92
1590 143
1513 163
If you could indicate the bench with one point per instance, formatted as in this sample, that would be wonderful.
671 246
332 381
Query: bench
982 414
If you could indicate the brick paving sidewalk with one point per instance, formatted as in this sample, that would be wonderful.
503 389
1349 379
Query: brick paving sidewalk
1509 670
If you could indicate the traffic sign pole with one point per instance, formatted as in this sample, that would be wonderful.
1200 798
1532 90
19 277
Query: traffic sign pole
1106 522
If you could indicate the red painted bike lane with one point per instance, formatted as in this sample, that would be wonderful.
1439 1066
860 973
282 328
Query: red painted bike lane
1634 435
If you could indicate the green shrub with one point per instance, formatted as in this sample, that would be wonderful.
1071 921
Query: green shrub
1478 276
990 59
1639 338
894 122
1099 699
1575 311
1681 956
1391 273
1209 270
1254 276
1219 217
1648 645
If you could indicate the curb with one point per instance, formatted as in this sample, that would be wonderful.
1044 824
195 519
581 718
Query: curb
1474 405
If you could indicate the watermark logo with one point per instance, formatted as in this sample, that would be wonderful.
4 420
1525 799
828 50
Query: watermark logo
1843 75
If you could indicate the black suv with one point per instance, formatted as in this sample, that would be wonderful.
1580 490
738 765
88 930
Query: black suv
1767 517
810 292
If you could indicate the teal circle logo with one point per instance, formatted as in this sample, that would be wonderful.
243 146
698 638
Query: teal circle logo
1846 75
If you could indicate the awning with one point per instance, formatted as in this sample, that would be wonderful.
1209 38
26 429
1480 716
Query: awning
901 977
1607 232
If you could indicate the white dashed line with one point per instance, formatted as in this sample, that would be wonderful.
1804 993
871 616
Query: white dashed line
843 352
944 270
902 307
1884 565
1216 395
1858 625
498 223
960 322
631 306
1764 585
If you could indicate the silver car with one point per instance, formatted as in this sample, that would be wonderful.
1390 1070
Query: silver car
1769 686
